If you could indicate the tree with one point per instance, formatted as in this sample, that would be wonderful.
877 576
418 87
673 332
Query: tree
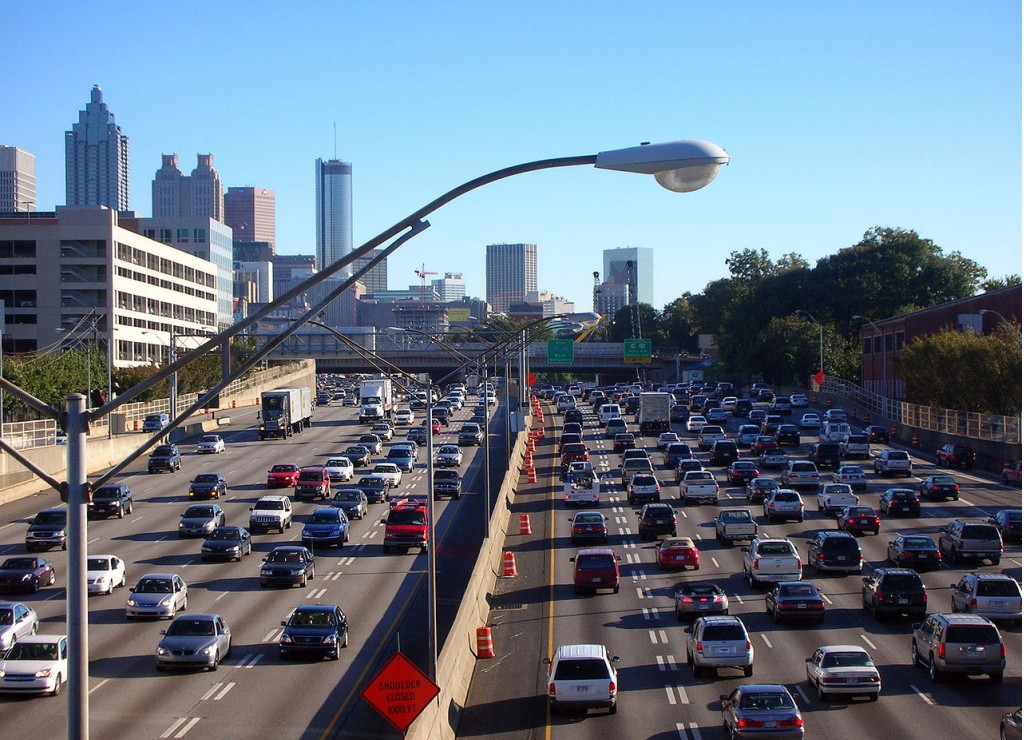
625 324
996 283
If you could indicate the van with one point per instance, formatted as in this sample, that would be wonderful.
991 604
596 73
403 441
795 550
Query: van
616 425
608 411
581 677
826 454
594 568
834 431
405 526
964 539
857 446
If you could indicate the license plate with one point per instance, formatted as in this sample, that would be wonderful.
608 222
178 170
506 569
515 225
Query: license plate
999 604
902 601
680 557
705 606
863 521
840 557
851 680
904 508
921 556
723 651
595 580
582 689
801 606
770 724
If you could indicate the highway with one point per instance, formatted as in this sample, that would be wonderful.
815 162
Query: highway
658 695
254 693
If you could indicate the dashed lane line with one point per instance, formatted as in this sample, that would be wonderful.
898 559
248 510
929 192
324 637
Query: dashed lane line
185 723
766 640
872 645
922 695
716 563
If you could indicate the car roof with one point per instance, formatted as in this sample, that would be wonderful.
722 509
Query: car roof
580 651
595 551
157 575
841 649
41 638
721 619
272 498
288 548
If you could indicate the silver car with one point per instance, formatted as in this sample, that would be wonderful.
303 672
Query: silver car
767 709
719 642
993 595
200 519
157 595
17 620
194 641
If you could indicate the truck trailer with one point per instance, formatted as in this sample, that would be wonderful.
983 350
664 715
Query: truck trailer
285 411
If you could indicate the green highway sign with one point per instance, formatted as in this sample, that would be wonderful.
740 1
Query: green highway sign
560 351
636 350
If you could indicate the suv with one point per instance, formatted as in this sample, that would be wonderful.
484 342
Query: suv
724 452
155 422
799 473
894 591
966 539
615 426
49 528
470 434
271 512
114 498
594 568
582 676
313 482
783 503
991 595
164 457
826 454
835 552
961 456
656 519
719 642
890 462
958 643
447 483
857 445
405 526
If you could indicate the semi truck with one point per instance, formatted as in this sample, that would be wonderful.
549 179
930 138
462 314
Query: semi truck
654 412
376 400
285 411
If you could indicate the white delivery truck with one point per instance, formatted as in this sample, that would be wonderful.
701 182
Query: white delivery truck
285 411
376 400
654 413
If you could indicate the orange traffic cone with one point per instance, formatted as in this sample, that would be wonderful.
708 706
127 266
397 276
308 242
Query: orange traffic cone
524 524
509 570
531 475
484 645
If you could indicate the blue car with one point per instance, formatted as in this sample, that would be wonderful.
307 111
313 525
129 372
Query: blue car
316 630
326 526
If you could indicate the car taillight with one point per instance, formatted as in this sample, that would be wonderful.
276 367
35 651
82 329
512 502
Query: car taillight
748 645
792 722
821 557
924 597
881 595
700 646
551 689
686 600
942 650
757 565
611 688
1002 650
849 521
974 603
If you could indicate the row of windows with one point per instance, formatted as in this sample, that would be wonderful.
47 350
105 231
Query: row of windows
17 269
153 280
83 248
19 248
163 265
179 329
18 298
893 343
154 307
182 235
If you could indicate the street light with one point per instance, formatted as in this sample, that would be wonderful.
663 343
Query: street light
885 387
821 338
995 313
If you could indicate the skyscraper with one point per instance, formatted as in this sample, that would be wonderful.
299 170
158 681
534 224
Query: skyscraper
630 270
376 278
511 274
199 196
452 287
17 180
333 213
251 214
96 158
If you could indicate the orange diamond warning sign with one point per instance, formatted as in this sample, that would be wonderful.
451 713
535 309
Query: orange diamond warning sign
400 691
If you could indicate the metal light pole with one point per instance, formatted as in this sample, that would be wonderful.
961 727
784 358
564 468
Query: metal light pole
431 540
77 588
885 386
995 313
821 338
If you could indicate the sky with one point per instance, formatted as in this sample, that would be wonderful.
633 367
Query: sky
839 117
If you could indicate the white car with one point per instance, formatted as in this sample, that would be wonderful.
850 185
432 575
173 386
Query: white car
456 401
210 444
36 664
104 573
852 475
383 430
448 456
581 677
843 669
729 403
667 438
798 401
810 421
17 620
389 472
405 417
492 399
339 469
695 423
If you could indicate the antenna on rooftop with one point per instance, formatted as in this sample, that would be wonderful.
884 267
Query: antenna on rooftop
335 139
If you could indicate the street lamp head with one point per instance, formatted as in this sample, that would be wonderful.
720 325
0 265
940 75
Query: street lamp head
679 166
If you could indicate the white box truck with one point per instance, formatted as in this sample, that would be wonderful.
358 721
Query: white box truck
654 412
285 411
376 400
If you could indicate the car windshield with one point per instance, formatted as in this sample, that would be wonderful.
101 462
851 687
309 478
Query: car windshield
448 450
972 634
153 417
918 543
594 562
581 669
269 505
284 556
860 511
701 589
743 466
348 494
316 474
853 659
589 519
284 469
775 548
97 564
198 512
18 564
224 534
50 517
163 450
723 632
407 516
643 480
210 438
6 616
106 492
190 627
943 480
770 702
154 586
1000 587
787 496
32 651
376 482
205 478
339 462
1012 515
903 582
765 483
323 517
898 455
980 532
311 618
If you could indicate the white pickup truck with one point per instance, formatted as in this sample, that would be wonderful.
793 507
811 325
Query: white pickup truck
771 560
700 487
582 489
833 497
734 524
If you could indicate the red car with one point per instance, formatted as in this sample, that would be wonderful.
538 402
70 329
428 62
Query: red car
678 552
577 452
859 519
764 444
961 456
435 426
282 476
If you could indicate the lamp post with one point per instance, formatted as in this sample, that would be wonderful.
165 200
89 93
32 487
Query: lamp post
885 387
995 313
821 337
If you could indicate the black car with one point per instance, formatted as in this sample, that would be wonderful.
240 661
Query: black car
164 457
724 452
940 486
916 551
569 438
375 487
826 455
899 502
226 543
623 442
795 600
877 433
287 565
895 591
759 488
679 414
742 408
360 455
573 416
655 520
741 472
675 452
317 630
113 498
787 434
26 573
417 435
837 552
208 485
1008 522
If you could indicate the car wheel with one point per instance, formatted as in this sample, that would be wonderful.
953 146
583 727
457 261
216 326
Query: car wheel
875 614
873 697
822 694
995 561
57 686
184 604
110 588
64 545
216 662
933 671
120 512
680 617
302 583
53 577
35 585
748 671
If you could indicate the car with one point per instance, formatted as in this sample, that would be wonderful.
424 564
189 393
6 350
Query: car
763 443
35 664
339 469
773 458
418 435
210 444
971 540
858 519
471 434
439 418
288 565
717 415
833 497
771 424
375 487
371 442
208 485
761 705
352 501
654 520
404 416
685 466
729 403
877 433
17 620
894 591
891 462
448 456
699 597
199 520
569 438
667 438
675 452
939 486
155 422
1011 473
270 512
856 446
595 568
113 498
765 395
795 600
1010 726
757 416
964 644
574 452
845 670
798 401
723 452
282 475
48 529
323 399
403 457
164 457
573 427
835 552
695 423
835 415
314 482
787 434
104 573
826 455
359 455
326 526
747 434
714 642
623 442
810 421
679 414
573 416
741 472
226 543
615 426
784 504
708 435
157 595
194 641
677 552
800 473
26 573
781 405
384 430
955 455
447 483
759 488
582 677
587 526
1008 522
390 472
316 630
995 596
899 502
852 475
643 487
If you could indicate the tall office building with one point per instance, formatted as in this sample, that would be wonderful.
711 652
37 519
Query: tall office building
451 287
376 279
200 195
631 268
17 180
251 214
96 158
333 213
511 274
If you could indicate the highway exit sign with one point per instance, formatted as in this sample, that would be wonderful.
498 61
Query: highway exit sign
560 351
636 350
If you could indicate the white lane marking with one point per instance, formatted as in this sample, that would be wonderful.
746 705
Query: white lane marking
671 661
1015 561
739 599
670 695
684 515
224 691
270 636
716 563
213 690
968 503
98 685
661 663
681 729
921 694
766 640
174 727
639 593
654 636
221 596
827 599
336 576
800 691
663 636
872 645
695 731
620 520
683 698
248 661
94 539
5 526
347 561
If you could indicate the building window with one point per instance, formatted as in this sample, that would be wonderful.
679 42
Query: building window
183 236
200 236
867 346
900 340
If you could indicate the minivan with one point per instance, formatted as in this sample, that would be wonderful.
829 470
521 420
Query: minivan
595 568
608 411
582 676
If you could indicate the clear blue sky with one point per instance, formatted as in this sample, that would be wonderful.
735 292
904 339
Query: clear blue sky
839 117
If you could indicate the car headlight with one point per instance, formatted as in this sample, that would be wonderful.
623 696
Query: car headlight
161 651
234 548
286 638
298 572
207 548
43 673
27 577
166 601
207 651
266 572
330 639
131 602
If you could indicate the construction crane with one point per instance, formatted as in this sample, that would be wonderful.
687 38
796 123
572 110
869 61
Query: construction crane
423 272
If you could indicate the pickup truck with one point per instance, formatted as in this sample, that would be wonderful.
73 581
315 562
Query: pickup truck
582 489
834 497
699 486
707 436
771 560
734 524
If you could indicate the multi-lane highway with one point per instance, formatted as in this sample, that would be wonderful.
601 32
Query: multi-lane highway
658 695
254 693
